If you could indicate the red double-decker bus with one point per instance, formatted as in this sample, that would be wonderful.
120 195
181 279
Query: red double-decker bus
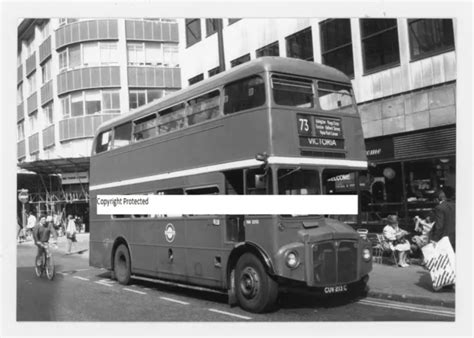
269 126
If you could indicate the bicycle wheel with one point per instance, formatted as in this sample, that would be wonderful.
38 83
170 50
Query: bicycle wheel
39 265
49 267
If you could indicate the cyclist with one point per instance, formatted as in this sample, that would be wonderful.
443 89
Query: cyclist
41 234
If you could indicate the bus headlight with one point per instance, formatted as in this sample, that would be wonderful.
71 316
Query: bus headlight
292 259
366 255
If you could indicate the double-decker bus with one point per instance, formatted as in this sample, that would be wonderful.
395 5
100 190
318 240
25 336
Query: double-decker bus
270 126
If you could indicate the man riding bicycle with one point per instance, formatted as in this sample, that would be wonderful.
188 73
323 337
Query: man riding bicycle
41 234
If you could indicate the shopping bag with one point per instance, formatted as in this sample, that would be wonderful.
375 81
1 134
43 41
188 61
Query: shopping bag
440 261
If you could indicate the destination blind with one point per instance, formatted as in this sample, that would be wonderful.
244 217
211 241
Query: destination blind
320 132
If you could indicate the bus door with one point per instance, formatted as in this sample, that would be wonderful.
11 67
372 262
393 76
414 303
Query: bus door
204 243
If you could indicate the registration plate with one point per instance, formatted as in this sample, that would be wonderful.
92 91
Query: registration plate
335 289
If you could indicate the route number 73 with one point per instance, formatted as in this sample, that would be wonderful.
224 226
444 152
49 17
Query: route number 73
303 125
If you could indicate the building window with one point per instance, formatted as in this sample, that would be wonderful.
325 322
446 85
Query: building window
93 102
19 93
74 56
30 46
214 71
48 114
154 94
272 49
170 56
63 60
231 21
336 45
31 83
195 79
193 31
212 25
136 53
240 60
45 30
379 43
300 45
46 72
137 98
21 130
144 53
430 36
65 107
33 121
108 53
90 102
110 101
77 104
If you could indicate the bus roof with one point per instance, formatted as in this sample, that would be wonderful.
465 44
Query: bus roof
264 64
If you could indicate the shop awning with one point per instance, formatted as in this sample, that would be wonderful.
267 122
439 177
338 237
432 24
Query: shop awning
57 166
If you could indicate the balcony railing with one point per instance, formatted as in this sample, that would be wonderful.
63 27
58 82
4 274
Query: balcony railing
48 137
81 127
86 31
90 77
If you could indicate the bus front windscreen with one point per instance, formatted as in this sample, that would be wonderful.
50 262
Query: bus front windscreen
297 181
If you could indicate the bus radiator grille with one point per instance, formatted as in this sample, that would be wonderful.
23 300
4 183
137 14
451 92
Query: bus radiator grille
335 263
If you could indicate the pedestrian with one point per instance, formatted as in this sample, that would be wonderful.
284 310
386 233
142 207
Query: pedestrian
445 217
31 223
395 237
70 233
50 222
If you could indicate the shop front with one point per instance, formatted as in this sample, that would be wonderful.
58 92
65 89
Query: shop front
405 173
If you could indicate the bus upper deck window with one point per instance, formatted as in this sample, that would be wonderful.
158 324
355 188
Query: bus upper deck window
244 94
123 135
103 141
334 96
293 92
145 128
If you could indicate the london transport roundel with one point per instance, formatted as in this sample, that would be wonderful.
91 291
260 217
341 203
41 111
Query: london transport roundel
170 232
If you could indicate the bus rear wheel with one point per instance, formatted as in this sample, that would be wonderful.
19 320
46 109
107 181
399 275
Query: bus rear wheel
256 291
122 265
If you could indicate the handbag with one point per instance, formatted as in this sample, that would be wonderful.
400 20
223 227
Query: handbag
440 261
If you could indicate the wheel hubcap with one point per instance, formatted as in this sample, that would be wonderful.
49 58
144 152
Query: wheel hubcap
249 283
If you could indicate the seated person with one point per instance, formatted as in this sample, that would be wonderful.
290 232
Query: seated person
422 226
395 236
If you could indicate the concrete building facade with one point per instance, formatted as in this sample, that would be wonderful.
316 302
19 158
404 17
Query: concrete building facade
404 76
74 74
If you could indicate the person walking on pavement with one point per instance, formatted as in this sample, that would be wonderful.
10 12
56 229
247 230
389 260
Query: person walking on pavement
49 220
31 223
445 217
70 233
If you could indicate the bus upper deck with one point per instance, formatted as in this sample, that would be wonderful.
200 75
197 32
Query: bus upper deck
285 108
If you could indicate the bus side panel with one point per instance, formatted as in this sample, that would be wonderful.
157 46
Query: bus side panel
170 258
185 149
205 254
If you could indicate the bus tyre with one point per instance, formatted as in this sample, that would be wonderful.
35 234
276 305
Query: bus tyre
256 291
122 264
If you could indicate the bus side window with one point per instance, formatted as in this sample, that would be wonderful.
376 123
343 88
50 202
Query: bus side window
103 141
171 119
123 135
203 191
145 128
203 108
259 182
244 94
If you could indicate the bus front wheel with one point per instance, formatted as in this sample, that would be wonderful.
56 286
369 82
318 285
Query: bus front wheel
122 265
256 291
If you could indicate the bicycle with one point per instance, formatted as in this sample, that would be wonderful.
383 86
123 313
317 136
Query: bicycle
45 263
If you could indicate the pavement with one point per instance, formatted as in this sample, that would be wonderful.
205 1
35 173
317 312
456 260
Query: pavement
387 281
